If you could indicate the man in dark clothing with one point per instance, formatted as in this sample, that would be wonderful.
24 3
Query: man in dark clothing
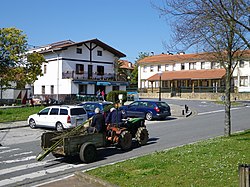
98 122
114 117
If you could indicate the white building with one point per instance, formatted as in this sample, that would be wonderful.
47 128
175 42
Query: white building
79 68
190 73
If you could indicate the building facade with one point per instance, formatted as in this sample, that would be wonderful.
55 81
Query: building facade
191 73
73 69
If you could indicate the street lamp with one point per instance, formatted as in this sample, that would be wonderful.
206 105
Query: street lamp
160 73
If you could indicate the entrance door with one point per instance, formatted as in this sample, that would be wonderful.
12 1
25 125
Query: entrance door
90 71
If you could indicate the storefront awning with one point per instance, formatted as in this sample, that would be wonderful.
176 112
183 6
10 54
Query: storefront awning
84 82
103 83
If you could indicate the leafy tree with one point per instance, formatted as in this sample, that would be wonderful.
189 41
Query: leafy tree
216 26
15 63
134 74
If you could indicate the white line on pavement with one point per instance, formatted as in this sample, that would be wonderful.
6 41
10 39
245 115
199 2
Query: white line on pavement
216 111
38 174
18 160
10 150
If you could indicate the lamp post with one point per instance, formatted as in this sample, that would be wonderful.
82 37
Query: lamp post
160 73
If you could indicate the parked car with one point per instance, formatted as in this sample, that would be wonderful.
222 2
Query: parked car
148 110
58 117
91 106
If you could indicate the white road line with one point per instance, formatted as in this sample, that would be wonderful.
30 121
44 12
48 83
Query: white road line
216 111
24 153
18 160
3 147
10 150
23 167
38 174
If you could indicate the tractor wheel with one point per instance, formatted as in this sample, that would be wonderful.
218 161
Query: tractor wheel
125 140
142 135
87 152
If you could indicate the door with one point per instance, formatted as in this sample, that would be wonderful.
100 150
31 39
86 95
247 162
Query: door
90 71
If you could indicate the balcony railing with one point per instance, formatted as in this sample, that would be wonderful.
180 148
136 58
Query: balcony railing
94 76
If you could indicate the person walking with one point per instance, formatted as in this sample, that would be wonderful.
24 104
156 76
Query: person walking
98 94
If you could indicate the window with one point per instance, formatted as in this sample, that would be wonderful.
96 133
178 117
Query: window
144 69
99 53
45 69
52 89
182 66
202 65
79 68
151 68
100 70
166 67
44 111
115 88
215 65
79 50
54 111
241 64
82 89
243 81
159 68
43 89
63 111
192 65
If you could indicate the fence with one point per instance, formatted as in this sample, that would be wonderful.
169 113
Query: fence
244 175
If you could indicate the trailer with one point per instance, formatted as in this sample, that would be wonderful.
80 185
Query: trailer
78 141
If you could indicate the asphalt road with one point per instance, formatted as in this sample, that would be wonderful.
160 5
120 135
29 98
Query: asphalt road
18 166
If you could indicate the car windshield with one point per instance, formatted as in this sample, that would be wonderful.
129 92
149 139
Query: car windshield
77 111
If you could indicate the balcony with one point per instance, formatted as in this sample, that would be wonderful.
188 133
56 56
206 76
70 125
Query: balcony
94 76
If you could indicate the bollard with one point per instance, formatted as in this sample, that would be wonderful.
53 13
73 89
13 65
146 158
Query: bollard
244 175
183 112
186 108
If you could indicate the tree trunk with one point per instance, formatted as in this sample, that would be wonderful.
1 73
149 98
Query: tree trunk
227 123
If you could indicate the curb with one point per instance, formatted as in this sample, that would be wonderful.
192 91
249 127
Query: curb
83 177
13 127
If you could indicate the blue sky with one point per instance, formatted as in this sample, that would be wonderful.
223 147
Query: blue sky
130 26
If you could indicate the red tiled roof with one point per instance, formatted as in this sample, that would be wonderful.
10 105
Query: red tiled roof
181 58
190 74
125 64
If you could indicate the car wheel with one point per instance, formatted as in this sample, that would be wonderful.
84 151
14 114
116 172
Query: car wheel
149 116
59 126
32 123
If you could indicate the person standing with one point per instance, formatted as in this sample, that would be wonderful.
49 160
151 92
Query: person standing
103 95
98 94
98 122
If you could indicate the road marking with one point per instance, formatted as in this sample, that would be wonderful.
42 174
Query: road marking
23 167
10 150
18 160
4 148
216 111
38 174
24 153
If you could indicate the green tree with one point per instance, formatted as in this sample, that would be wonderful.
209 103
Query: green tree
15 63
134 74
214 25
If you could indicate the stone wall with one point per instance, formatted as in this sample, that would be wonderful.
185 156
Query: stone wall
202 96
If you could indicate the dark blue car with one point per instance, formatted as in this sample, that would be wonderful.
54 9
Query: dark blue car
91 106
147 109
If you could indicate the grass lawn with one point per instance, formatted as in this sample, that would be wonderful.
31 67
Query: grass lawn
18 114
208 163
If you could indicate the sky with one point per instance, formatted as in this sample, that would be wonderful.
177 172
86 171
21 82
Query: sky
130 26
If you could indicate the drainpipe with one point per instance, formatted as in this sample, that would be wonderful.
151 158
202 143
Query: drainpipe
57 80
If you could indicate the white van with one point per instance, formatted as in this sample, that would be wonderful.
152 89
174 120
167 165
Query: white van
58 117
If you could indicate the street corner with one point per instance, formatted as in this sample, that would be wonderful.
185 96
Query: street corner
180 110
